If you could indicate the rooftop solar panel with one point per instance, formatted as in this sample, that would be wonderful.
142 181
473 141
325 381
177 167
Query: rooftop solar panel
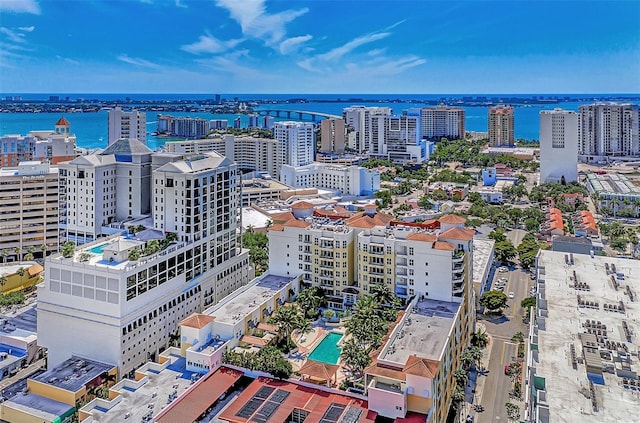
333 413
249 408
352 415
279 396
264 392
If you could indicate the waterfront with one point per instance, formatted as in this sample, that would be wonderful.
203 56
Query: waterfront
91 129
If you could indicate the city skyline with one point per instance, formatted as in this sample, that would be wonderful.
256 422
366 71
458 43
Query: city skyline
312 47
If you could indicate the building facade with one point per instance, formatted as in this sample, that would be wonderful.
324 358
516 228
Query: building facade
295 144
501 126
332 136
398 138
558 146
185 127
608 130
111 304
442 121
123 124
29 209
359 129
51 147
348 180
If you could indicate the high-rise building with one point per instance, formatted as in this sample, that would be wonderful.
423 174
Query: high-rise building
332 135
295 144
122 124
608 130
501 126
359 126
442 121
398 138
29 204
47 146
558 146
237 123
120 299
184 127
100 191
250 153
254 120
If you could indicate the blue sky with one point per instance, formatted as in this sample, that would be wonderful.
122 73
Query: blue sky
321 46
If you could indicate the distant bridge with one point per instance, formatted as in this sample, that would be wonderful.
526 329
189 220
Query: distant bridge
299 113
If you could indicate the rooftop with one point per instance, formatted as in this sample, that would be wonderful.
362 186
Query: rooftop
613 183
74 373
41 407
423 331
243 301
581 318
482 249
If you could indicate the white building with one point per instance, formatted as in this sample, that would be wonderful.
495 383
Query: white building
249 153
104 188
558 146
608 130
295 145
101 305
348 180
442 121
398 138
358 121
122 124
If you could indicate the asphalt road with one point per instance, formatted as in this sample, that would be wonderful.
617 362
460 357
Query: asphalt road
495 393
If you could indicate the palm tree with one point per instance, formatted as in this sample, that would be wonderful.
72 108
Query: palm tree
355 357
310 300
476 354
457 397
4 253
21 272
3 282
480 339
286 319
18 251
30 250
44 248
518 337
461 377
383 295
466 360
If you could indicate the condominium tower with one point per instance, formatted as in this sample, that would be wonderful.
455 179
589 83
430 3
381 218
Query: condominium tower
295 144
332 135
398 138
501 126
358 121
608 130
442 121
119 299
123 124
558 146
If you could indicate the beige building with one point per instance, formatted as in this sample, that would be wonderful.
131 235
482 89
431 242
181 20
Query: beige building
332 136
29 204
501 126
442 121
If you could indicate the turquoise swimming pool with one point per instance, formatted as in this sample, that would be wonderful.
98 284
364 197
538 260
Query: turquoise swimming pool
327 350
98 248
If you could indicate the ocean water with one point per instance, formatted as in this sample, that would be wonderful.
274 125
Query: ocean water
92 132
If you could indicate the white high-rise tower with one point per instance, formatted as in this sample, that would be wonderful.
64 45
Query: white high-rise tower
558 146
127 125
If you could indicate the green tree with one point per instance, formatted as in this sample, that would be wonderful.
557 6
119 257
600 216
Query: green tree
457 397
513 411
18 252
134 254
504 250
518 337
328 314
531 225
461 377
258 245
21 272
497 235
355 357
479 339
384 198
68 249
466 359
44 249
425 202
310 300
527 303
383 295
493 300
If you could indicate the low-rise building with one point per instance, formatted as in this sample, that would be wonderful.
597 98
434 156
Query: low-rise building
18 348
575 244
17 276
614 191
553 225
491 195
584 224
583 340
347 180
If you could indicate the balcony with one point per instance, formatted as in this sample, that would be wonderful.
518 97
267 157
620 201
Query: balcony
401 272
402 292
458 258
401 281
326 244
457 289
376 251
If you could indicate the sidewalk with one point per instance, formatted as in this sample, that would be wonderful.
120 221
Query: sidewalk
476 381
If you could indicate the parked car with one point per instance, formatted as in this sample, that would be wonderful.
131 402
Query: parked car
503 269
512 295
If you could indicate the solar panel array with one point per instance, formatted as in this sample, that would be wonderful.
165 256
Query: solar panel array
264 414
255 402
352 415
333 413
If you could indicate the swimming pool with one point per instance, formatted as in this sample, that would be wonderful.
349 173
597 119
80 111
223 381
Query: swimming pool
327 350
98 248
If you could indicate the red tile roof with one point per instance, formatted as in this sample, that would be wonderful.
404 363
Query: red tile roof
62 122
421 367
458 234
197 320
297 224
301 205
439 245
453 219
417 236
199 397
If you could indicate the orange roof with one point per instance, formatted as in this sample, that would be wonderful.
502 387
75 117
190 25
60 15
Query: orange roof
254 340
319 370
458 234
197 320
195 401
302 205
375 370
332 212
452 219
417 236
370 206
421 367
297 224
62 122
34 269
440 245
281 217
268 327
575 194
276 228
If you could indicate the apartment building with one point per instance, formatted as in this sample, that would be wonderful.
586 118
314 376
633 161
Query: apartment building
558 146
43 145
332 136
127 124
184 126
100 191
442 121
29 208
359 129
295 144
501 126
347 180
398 138
250 153
108 303
608 130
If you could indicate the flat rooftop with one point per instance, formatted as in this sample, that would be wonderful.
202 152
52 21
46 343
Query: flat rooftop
613 183
240 304
41 407
569 323
482 254
73 373
423 331
254 218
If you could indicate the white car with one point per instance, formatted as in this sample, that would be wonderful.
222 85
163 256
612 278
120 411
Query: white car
502 280
511 295
503 269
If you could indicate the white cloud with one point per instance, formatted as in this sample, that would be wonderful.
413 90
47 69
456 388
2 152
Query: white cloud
294 43
257 23
20 6
209 44
346 48
27 28
67 60
180 4
15 36
136 61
